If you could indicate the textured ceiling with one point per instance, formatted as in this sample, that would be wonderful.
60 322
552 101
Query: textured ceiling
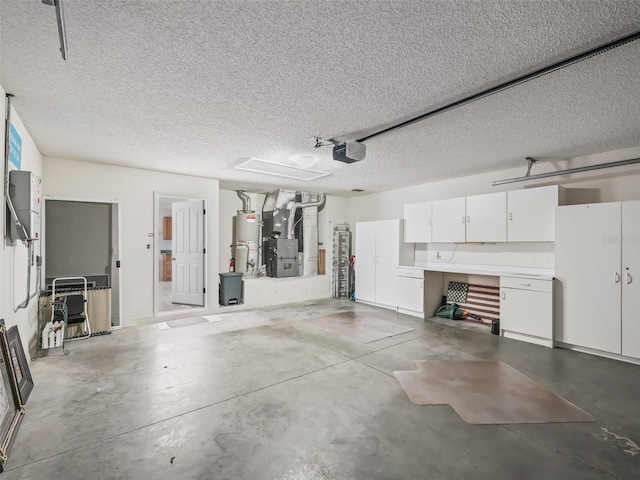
198 87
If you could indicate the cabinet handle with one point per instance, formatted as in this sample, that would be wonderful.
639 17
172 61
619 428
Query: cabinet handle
502 295
525 284
429 221
510 216
421 284
468 219
463 219
629 279
617 277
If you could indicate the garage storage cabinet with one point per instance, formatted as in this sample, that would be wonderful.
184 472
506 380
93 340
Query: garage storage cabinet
597 267
379 250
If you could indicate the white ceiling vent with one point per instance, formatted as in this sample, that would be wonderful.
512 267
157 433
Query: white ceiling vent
280 170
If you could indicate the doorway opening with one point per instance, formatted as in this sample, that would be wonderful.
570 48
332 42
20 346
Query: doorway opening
82 239
179 254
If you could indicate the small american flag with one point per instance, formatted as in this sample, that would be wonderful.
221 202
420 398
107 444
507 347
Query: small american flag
483 301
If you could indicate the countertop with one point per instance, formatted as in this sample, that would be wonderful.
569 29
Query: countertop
495 270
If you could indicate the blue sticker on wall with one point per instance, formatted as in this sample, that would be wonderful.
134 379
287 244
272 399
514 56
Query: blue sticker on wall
15 147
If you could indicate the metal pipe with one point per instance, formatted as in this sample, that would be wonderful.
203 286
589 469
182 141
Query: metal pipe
62 31
588 168
7 149
246 201
512 83
295 206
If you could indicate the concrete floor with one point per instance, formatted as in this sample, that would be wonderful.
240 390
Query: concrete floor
266 395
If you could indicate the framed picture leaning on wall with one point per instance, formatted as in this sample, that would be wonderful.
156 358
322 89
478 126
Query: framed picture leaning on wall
20 364
11 406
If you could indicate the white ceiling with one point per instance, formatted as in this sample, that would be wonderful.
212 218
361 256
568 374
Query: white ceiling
198 87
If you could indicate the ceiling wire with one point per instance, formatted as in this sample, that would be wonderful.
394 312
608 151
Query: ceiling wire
511 83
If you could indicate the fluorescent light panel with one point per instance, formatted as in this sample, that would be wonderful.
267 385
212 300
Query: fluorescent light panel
280 170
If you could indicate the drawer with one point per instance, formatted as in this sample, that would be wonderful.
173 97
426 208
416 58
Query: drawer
524 283
410 272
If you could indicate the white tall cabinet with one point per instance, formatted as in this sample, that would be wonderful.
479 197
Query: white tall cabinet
379 251
630 273
597 260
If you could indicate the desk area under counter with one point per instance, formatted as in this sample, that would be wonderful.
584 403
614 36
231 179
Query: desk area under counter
526 295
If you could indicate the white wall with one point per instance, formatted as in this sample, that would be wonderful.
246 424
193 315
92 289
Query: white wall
134 189
13 257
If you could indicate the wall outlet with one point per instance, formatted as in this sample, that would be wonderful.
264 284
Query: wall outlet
438 255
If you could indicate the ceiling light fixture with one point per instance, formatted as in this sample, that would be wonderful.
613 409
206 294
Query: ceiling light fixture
278 169
62 32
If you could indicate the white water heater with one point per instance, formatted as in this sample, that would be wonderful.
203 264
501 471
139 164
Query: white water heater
247 235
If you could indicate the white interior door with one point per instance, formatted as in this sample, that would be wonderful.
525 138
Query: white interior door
588 267
187 247
631 279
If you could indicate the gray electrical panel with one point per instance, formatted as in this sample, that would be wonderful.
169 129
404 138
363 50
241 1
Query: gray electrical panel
25 196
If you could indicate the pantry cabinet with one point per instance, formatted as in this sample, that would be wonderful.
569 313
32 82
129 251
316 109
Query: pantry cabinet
597 261
379 250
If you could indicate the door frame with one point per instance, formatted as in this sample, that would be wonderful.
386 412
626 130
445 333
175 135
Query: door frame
157 224
115 204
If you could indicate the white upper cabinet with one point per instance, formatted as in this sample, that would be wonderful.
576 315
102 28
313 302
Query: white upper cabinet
531 214
417 222
487 217
449 220
526 215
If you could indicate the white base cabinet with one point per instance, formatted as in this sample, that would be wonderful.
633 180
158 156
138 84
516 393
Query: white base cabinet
526 309
410 291
597 260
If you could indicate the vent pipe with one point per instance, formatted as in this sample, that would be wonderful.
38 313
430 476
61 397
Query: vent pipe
292 212
246 201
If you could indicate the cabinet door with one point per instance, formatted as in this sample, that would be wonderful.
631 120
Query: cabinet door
588 271
631 279
388 234
417 222
531 214
365 266
487 217
528 312
449 220
410 293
